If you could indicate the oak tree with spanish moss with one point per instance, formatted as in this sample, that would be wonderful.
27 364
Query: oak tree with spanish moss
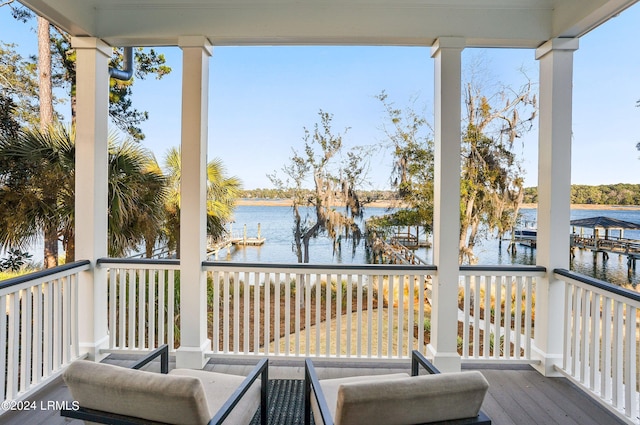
333 207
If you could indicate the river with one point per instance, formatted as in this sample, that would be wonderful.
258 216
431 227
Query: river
276 226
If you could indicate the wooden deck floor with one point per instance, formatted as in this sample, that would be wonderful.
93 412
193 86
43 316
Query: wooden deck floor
518 395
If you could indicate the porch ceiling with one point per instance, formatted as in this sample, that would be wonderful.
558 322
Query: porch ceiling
490 23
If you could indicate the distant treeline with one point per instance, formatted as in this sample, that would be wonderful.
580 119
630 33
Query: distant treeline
367 195
606 194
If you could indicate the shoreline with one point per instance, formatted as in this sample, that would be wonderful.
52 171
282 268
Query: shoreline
592 207
390 204
288 203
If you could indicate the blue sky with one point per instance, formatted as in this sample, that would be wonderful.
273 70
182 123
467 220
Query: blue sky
261 98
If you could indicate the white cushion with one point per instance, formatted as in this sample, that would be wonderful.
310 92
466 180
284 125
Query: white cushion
147 395
404 400
330 390
218 387
184 396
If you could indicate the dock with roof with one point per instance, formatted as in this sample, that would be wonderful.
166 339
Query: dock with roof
602 240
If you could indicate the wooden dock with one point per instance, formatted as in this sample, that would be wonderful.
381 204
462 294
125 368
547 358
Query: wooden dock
248 241
409 240
215 246
597 244
531 243
393 253
244 240
396 246
608 245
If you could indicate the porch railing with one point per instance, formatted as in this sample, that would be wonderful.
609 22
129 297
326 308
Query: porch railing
497 312
38 328
371 311
143 303
333 311
338 311
601 337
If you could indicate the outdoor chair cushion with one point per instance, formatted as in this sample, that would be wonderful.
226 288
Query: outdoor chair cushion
401 399
330 389
218 387
184 396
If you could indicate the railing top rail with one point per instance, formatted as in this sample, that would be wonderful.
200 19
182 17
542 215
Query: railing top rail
606 286
469 270
132 261
342 267
41 274
346 267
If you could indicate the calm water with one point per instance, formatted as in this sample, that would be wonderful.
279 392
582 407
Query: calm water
276 225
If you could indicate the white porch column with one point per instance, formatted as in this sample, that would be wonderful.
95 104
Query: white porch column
92 88
554 196
446 216
196 51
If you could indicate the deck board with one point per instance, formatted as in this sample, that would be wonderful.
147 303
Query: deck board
518 395
521 404
498 415
543 394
